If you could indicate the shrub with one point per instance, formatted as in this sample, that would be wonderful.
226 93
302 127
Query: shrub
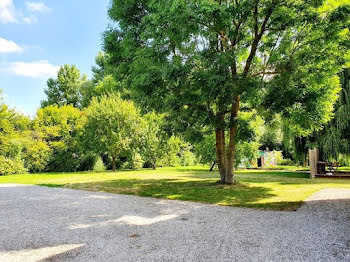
188 159
10 166
286 162
99 165
172 151
36 155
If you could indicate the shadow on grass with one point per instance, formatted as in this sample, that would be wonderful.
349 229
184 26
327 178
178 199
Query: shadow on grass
239 195
282 178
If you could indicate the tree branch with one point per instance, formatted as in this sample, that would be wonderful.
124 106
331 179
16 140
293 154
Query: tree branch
258 36
256 28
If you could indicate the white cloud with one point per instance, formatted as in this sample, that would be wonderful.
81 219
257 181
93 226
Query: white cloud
37 7
7 12
8 46
30 19
36 69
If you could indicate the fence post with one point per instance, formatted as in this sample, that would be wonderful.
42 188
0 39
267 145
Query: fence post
313 159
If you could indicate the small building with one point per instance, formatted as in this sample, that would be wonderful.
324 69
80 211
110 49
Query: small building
267 158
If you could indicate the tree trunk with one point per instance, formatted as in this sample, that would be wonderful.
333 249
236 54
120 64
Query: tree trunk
226 157
230 157
232 143
114 165
154 161
212 166
220 152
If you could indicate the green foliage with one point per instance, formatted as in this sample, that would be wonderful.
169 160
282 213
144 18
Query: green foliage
60 127
153 138
36 154
111 126
101 69
182 60
99 165
247 153
205 150
66 88
272 135
206 58
87 90
106 86
334 140
172 152
344 160
257 72
12 133
10 166
134 159
187 157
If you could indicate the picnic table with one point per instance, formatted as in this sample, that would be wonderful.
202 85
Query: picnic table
324 166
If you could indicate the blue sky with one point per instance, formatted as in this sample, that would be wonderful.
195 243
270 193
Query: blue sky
36 37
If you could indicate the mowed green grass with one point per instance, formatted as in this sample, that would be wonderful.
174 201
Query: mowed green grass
266 189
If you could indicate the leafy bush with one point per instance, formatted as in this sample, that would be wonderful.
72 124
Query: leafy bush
344 160
172 151
36 155
286 162
11 166
187 158
61 128
136 161
99 165
87 161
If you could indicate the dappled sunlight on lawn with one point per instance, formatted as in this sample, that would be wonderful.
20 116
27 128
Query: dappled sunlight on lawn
268 189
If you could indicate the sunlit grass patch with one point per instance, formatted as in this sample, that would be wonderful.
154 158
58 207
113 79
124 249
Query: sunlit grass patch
266 189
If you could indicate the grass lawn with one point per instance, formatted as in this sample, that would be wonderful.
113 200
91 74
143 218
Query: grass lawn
344 169
267 189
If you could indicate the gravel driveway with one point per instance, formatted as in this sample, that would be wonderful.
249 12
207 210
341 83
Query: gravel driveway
53 224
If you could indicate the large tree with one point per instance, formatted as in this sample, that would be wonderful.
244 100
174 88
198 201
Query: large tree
112 126
203 61
66 88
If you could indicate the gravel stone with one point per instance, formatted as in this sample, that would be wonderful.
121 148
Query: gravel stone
56 224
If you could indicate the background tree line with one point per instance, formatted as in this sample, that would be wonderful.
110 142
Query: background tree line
84 125
99 129
88 124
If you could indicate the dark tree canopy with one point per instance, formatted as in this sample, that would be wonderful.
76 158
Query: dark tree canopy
205 61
